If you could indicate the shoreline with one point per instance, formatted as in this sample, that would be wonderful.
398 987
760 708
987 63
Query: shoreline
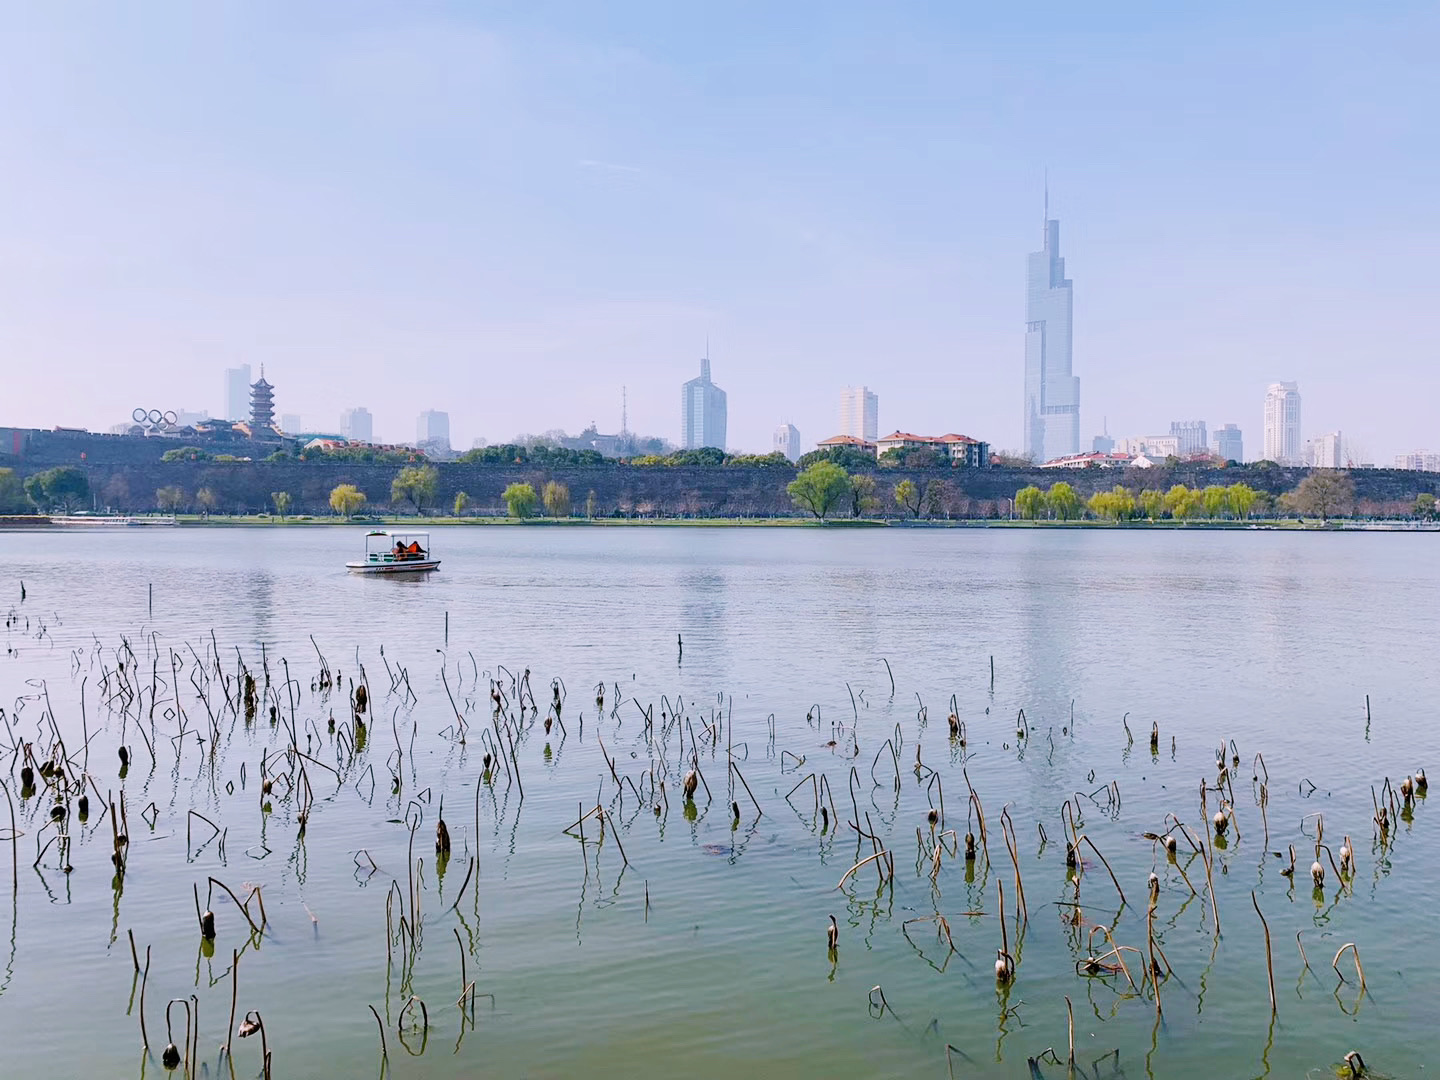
194 521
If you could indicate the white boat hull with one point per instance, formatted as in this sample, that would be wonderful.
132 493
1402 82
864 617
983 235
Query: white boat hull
418 566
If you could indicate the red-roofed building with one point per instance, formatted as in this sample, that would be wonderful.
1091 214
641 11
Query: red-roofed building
848 441
960 449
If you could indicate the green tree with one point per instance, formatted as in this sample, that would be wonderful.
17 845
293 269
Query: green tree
462 503
346 500
591 504
1216 500
1030 502
937 494
415 483
12 493
862 496
1152 504
520 500
847 457
1063 501
1177 501
1424 504
1114 505
909 496
820 488
206 500
64 488
1325 493
556 497
282 501
1241 498
169 498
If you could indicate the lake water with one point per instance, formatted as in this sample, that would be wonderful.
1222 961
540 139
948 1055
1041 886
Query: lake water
706 956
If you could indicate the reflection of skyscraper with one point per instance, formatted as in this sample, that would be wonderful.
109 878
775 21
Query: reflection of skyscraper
702 412
237 392
357 425
787 441
1282 423
1052 393
1228 443
859 413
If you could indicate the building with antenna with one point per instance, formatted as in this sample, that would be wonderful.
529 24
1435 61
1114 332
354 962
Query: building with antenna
1052 391
702 411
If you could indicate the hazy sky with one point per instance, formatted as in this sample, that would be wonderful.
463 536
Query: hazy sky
510 210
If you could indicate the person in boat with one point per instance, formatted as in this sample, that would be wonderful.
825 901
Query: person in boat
399 551
415 550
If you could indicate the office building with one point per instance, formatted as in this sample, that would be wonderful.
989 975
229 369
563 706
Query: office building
859 413
702 412
1052 392
1419 460
357 425
1282 423
237 392
1228 444
1151 446
290 423
1325 451
1191 436
787 441
1102 444
432 431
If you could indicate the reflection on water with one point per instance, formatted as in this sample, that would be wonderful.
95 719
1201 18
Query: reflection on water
702 949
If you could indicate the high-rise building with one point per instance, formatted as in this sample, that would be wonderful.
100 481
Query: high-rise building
1228 444
1052 393
787 441
432 431
1326 451
702 412
860 413
290 423
237 392
262 407
1192 436
1282 423
357 425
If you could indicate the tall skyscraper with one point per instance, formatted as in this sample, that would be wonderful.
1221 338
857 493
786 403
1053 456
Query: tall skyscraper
1052 393
702 411
787 441
860 413
237 392
357 425
1192 436
1282 423
1228 443
432 431
1326 451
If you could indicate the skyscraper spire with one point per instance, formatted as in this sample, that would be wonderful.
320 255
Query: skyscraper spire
1047 197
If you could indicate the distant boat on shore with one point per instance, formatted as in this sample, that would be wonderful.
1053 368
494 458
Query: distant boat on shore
109 520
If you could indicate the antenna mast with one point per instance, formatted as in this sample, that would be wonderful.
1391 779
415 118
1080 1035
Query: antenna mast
624 412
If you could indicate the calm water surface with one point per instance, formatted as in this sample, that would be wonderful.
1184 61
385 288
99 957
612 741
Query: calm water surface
1272 640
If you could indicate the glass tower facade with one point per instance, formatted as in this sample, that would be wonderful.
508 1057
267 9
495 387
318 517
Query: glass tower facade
1052 393
702 412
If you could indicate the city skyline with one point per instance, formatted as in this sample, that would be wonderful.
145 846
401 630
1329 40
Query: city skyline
654 161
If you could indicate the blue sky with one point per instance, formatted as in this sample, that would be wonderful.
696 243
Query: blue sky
511 210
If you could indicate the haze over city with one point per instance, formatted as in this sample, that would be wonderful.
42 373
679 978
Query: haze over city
509 213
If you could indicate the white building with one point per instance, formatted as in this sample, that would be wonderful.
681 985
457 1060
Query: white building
1420 460
703 411
1191 435
787 441
290 423
432 431
237 393
1153 446
1325 451
1282 423
859 413
1097 459
357 425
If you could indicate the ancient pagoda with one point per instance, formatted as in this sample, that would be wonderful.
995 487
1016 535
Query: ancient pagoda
262 407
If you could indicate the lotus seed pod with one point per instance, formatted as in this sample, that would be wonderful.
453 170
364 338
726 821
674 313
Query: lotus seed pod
171 1057
1317 874
1170 844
